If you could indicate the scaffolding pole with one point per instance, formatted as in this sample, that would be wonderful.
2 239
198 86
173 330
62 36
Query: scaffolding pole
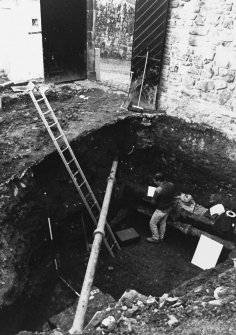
78 324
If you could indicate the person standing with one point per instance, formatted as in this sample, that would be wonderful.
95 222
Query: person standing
162 200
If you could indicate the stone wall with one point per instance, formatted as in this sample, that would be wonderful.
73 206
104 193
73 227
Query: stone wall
114 28
198 77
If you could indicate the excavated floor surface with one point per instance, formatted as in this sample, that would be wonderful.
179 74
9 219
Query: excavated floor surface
150 269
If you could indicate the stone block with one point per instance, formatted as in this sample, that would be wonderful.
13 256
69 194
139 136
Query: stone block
224 96
232 87
196 8
220 84
230 76
228 23
200 20
207 73
194 70
193 41
199 30
215 70
233 60
189 82
127 236
205 86
227 35
174 4
229 8
222 57
223 72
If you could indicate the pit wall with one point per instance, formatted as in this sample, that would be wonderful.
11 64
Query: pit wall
191 156
114 28
198 77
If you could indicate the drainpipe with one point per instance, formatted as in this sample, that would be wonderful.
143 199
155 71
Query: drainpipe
77 327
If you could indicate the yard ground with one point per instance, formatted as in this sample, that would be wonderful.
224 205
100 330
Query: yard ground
115 73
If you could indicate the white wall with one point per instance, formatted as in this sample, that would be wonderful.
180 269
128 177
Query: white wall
5 19
22 58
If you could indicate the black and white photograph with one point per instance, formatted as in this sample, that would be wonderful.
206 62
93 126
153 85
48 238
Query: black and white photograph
117 167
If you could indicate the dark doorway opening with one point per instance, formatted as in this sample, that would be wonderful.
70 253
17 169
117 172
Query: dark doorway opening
64 31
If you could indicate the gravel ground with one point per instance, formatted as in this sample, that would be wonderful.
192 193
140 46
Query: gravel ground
115 73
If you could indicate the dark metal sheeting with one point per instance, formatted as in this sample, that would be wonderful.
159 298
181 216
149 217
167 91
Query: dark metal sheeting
149 35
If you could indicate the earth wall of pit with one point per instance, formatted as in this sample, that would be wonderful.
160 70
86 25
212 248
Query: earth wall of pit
196 158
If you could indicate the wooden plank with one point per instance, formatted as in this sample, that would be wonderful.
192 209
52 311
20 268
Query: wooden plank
188 229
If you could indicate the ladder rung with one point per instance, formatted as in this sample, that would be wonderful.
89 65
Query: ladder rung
48 111
70 161
87 195
57 138
65 149
93 205
52 124
76 173
82 184
41 99
112 246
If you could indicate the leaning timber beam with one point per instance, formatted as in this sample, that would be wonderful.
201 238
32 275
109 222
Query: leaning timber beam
188 229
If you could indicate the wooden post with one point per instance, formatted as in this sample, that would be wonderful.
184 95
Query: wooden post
78 323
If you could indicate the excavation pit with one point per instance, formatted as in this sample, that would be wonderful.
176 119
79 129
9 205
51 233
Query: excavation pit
34 292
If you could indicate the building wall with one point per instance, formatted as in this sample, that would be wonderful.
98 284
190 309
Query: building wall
198 76
5 18
22 58
114 28
21 52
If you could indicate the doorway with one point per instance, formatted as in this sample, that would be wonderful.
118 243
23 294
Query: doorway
64 31
148 47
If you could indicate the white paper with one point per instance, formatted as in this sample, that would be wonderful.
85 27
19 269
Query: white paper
207 253
151 191
217 209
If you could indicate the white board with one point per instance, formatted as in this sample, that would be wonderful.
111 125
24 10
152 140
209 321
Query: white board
207 253
151 191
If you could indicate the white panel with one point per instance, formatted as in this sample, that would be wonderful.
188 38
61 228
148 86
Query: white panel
25 52
5 27
207 253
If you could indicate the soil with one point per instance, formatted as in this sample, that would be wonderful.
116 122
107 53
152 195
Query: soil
79 107
147 268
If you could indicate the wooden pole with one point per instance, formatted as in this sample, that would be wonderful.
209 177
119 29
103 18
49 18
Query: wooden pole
78 324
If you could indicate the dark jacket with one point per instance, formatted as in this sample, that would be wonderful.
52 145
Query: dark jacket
164 195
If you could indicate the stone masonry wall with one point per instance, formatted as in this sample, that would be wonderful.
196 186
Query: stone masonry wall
198 77
114 28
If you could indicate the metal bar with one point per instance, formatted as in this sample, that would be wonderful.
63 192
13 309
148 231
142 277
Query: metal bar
79 319
153 12
144 72
163 22
67 284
